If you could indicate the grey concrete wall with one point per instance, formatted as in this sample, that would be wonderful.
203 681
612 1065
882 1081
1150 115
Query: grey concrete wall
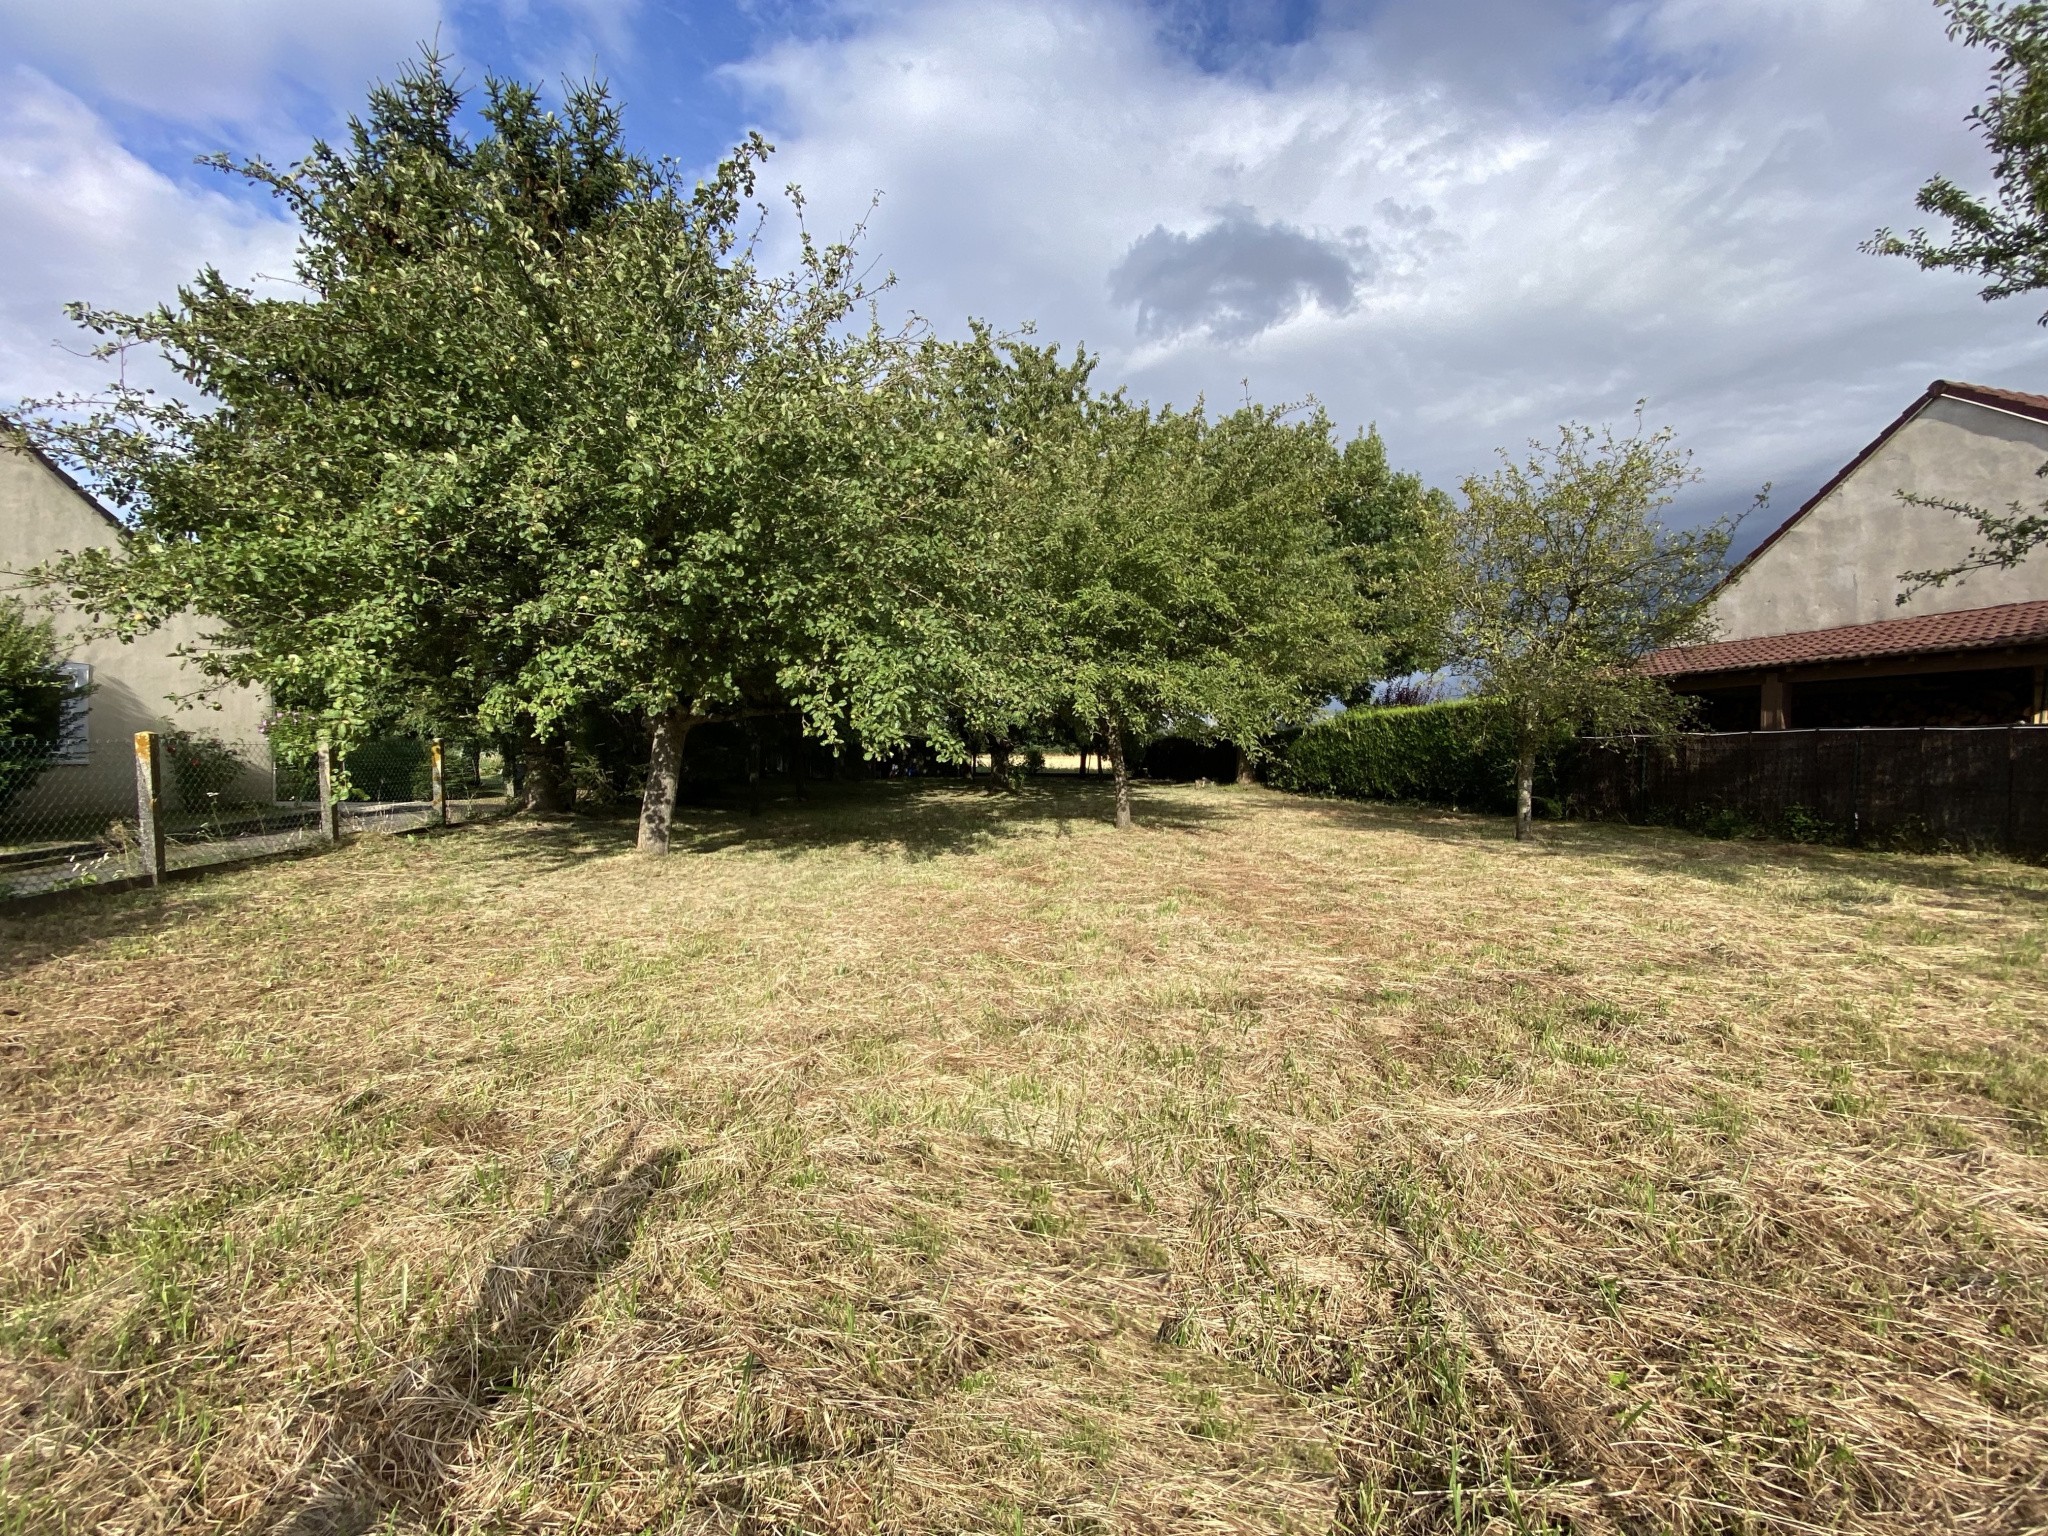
136 686
1840 564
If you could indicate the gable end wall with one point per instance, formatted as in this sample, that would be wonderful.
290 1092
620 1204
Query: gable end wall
1840 563
136 685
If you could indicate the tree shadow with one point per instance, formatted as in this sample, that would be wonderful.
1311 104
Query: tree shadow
1673 851
929 819
917 819
394 1449
41 928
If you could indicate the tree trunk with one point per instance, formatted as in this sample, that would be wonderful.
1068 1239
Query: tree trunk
1525 793
999 761
1244 766
549 789
753 770
664 778
1121 769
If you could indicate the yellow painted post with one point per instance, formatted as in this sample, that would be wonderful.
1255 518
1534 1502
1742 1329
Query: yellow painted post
330 813
440 787
149 805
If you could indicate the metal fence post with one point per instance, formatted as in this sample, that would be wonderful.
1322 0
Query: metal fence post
330 813
440 785
149 805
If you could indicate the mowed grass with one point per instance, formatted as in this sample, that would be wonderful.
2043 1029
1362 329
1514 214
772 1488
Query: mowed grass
928 1159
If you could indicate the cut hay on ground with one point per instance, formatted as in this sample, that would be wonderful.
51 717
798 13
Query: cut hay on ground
927 1159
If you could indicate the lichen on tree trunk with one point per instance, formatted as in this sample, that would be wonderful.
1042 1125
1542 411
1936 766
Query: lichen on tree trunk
664 777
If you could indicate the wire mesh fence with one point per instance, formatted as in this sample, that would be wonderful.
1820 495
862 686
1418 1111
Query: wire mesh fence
59 827
403 783
193 804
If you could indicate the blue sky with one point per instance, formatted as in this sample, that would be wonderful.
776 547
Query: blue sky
1466 220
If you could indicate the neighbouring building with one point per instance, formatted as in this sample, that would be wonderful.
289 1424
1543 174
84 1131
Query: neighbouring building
1810 631
124 687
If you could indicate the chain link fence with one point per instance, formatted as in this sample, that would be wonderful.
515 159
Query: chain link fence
196 804
57 827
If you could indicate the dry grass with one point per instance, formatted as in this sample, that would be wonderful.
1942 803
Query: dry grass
929 1160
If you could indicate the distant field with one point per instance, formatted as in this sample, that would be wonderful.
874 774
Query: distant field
928 1159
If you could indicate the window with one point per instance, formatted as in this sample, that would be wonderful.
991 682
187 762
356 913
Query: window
74 734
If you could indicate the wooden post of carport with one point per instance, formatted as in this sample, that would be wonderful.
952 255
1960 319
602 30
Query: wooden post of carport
1772 710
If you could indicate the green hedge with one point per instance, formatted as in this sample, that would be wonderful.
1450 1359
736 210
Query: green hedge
1440 753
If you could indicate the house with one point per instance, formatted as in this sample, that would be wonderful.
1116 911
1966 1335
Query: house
124 687
1811 630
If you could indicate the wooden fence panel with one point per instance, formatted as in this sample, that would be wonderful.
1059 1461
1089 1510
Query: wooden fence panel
1966 787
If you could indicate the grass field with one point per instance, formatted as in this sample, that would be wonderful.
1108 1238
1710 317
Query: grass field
928 1159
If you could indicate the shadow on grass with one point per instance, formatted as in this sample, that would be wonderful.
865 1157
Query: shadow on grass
917 819
930 818
42 928
1688 855
396 1449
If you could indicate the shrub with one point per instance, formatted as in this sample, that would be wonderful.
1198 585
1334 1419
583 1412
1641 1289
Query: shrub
203 766
32 691
1441 753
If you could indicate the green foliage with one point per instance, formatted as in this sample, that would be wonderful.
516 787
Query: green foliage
1164 572
539 442
1564 581
1393 527
1443 754
409 476
32 684
2005 238
204 767
32 691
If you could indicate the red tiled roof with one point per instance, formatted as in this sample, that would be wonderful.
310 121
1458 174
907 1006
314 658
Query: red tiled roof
1974 629
2009 399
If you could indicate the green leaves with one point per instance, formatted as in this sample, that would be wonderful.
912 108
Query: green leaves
377 507
1160 571
1562 580
32 681
540 440
2004 239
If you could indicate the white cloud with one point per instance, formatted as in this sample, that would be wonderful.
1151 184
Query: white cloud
1568 209
216 61
82 218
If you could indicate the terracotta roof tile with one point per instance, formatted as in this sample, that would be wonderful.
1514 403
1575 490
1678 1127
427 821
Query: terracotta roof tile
2013 399
1973 629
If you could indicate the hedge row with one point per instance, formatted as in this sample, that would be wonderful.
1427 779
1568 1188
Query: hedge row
1440 753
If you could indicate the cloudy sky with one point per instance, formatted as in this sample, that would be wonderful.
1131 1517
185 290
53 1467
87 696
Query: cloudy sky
1466 220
